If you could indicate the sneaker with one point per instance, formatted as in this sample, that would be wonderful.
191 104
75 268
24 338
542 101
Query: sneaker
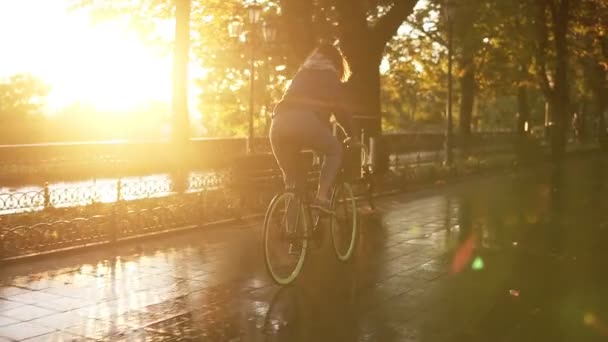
322 206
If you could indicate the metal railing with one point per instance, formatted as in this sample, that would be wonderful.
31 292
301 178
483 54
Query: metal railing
98 202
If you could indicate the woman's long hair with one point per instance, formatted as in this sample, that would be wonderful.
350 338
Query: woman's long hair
335 57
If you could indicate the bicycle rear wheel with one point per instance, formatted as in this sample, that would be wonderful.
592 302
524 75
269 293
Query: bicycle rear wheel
343 224
285 238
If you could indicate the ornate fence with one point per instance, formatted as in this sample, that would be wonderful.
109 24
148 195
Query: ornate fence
109 205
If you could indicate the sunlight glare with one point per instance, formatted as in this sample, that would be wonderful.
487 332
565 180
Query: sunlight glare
105 65
111 70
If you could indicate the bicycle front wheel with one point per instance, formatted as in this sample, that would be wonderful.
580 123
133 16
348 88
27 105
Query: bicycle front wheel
285 238
343 223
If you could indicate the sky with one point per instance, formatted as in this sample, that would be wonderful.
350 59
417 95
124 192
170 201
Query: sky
104 65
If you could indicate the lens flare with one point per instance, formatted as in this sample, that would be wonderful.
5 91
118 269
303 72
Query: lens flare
463 255
591 320
478 264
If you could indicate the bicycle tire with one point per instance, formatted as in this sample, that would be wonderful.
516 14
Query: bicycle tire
346 206
277 218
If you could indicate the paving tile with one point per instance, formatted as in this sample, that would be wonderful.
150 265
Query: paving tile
60 321
8 291
33 297
58 336
35 283
99 329
26 313
4 321
8 304
68 291
63 304
103 309
23 330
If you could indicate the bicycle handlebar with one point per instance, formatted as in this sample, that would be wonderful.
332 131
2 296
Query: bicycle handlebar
365 117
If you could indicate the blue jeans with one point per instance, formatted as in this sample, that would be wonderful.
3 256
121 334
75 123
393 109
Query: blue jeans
292 131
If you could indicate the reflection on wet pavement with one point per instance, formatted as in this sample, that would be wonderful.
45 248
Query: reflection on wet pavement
518 257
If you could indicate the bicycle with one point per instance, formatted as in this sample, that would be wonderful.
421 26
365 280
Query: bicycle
290 217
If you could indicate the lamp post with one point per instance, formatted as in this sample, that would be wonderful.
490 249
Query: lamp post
449 15
180 72
235 30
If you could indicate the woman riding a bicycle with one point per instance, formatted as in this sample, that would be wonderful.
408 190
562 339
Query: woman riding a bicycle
301 119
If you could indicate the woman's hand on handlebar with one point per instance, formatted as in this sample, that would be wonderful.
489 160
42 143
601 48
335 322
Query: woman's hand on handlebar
352 142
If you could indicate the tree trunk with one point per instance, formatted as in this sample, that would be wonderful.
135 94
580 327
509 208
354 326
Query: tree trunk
595 77
181 123
559 129
582 117
181 127
296 20
522 145
561 98
556 92
365 87
467 88
414 110
356 41
523 110
596 80
602 135
363 46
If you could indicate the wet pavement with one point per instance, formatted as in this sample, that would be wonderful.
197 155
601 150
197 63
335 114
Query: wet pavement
517 257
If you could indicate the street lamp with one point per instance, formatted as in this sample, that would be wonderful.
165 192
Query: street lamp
235 27
235 30
449 11
269 32
254 11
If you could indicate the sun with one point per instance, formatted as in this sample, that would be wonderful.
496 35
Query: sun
113 70
105 65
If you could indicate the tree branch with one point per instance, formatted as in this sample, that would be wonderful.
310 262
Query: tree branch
296 21
387 26
353 30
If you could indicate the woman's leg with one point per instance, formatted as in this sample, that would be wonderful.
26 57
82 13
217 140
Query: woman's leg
331 165
301 130
318 137
286 155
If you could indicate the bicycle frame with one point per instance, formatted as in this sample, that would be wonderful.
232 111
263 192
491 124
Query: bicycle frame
302 190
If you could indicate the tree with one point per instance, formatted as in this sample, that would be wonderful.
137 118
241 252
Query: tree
413 91
553 21
365 27
591 20
22 95
507 67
